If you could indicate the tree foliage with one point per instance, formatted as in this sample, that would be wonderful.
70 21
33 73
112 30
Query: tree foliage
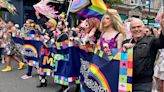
113 3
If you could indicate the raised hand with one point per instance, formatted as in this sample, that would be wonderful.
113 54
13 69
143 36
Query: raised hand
162 23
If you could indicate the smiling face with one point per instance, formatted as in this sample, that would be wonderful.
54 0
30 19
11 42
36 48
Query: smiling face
60 25
49 24
28 24
137 29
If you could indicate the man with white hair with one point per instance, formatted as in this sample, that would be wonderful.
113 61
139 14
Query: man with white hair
144 53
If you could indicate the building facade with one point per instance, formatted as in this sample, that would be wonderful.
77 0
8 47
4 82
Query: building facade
129 8
24 10
144 9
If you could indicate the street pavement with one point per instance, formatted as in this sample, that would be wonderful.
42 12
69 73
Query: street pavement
11 81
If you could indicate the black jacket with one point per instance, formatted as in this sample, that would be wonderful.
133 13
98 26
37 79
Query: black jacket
144 54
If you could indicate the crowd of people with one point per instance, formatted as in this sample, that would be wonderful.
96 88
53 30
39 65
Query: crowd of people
109 33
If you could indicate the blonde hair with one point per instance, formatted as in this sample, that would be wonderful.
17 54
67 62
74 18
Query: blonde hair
116 21
53 21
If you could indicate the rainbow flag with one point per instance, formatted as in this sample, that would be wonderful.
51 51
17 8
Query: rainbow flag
99 4
96 9
77 5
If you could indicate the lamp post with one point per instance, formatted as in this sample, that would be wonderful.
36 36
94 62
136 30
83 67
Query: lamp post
149 12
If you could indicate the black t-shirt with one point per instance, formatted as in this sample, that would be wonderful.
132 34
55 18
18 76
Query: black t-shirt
62 37
50 34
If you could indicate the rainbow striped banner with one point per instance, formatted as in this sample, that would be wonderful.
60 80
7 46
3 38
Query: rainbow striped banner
66 80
